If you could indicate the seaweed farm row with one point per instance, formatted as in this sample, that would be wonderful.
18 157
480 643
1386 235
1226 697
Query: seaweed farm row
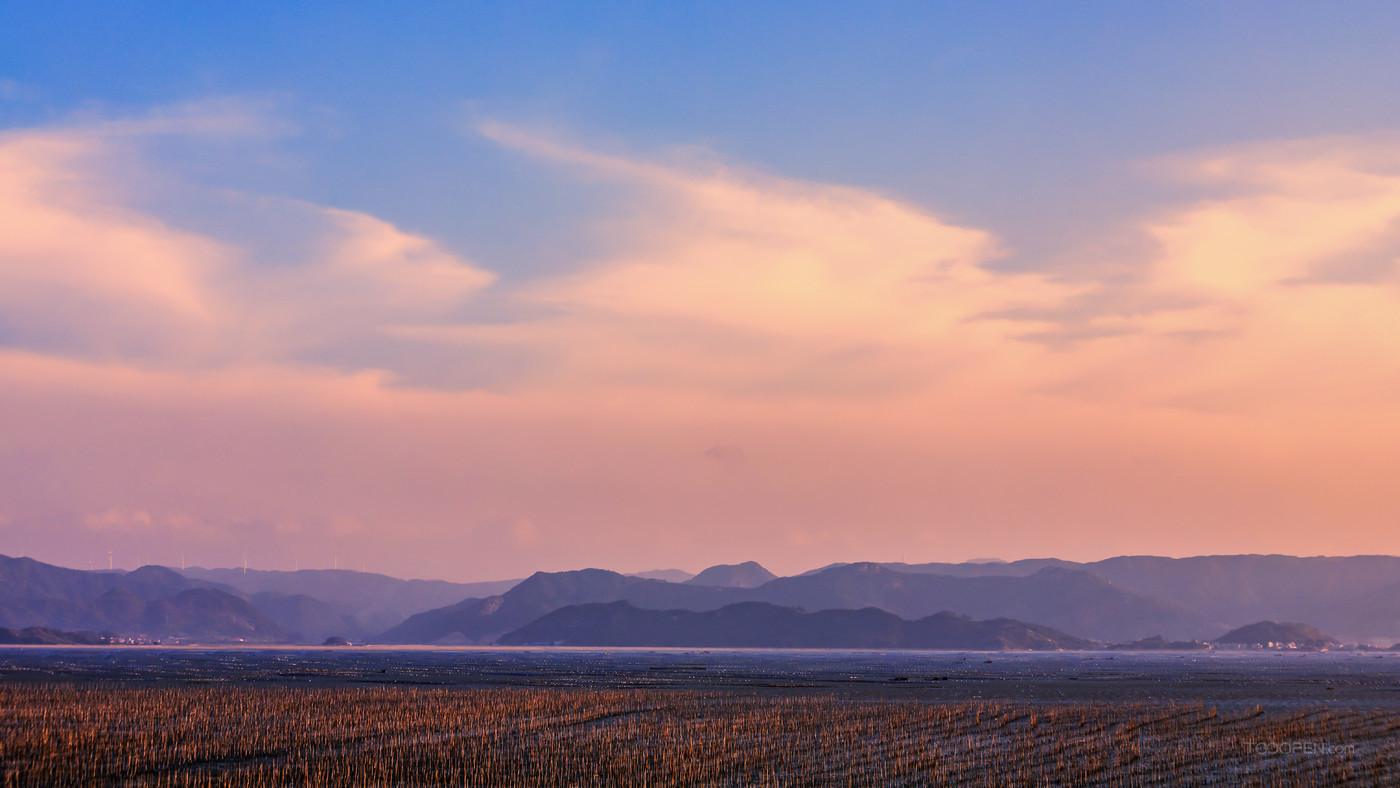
76 733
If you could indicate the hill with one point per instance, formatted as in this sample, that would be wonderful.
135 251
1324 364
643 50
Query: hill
207 614
749 574
1264 634
761 625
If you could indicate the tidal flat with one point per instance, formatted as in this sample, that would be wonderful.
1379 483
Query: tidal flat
226 717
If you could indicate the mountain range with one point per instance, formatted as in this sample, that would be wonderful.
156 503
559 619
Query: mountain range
376 602
1357 596
1066 599
216 605
1143 599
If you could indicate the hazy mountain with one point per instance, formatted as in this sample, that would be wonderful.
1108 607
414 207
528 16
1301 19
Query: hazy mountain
35 594
1028 566
120 610
1230 590
61 614
468 621
152 601
1068 600
27 579
484 620
310 618
749 574
762 625
157 582
207 614
377 601
1363 618
1236 589
1262 633
1115 600
669 575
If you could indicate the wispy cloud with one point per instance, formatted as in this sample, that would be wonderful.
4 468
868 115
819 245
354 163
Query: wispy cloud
88 273
724 278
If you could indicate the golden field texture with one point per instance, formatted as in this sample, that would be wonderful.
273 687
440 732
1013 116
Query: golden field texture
260 735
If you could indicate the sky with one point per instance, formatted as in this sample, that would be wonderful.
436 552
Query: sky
470 290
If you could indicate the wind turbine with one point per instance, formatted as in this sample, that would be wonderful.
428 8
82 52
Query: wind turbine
109 560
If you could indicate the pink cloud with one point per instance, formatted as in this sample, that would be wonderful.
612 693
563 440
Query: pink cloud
87 272
76 265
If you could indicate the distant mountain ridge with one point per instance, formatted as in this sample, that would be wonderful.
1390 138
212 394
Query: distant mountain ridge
207 613
484 620
152 600
312 619
749 574
669 575
763 625
1373 614
1357 596
35 594
1072 601
27 579
1122 600
1067 599
375 601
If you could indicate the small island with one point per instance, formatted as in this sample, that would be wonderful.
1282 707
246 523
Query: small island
1278 635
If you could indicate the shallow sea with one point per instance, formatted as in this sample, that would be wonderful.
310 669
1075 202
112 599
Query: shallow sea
1352 679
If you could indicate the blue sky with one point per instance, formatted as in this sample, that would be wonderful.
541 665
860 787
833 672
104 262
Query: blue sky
1027 117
